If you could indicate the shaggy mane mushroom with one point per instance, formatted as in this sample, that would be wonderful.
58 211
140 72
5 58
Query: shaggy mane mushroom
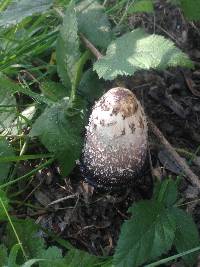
116 139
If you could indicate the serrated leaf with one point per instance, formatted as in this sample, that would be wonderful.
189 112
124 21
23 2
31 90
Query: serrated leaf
166 192
67 50
140 6
28 233
138 50
50 255
5 151
148 234
93 23
61 62
59 129
91 87
191 9
7 86
76 257
186 235
19 10
4 204
53 90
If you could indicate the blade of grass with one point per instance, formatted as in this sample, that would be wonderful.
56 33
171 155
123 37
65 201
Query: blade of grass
41 166
158 263
25 157
13 228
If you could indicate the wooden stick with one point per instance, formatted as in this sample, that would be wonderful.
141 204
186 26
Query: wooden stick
193 178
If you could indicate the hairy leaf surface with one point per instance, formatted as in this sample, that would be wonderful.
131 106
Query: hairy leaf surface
186 235
19 10
148 234
138 50
59 129
93 23
67 50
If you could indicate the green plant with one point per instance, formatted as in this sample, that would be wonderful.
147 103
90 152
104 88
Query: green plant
43 41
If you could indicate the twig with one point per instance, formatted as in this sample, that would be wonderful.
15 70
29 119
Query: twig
194 179
91 47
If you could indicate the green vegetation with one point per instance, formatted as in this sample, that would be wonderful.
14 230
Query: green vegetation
46 86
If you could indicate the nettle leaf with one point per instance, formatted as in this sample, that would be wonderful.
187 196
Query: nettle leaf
191 9
139 6
5 151
28 233
91 87
5 205
59 128
93 23
138 50
53 90
186 235
146 235
19 10
53 256
11 87
76 257
166 192
67 50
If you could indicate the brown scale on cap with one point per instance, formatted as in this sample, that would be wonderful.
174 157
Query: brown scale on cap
115 151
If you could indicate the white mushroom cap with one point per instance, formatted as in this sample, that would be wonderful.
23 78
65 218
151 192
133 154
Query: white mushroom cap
116 138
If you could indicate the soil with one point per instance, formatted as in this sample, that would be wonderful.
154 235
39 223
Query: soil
91 219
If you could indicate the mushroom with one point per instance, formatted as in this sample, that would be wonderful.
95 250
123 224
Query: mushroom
115 147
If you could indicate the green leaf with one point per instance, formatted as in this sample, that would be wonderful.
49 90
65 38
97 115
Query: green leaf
67 50
5 151
3 199
7 86
91 87
28 233
59 128
140 6
13 256
61 62
76 257
7 105
191 9
50 255
138 50
146 235
53 90
186 235
93 23
29 263
166 192
3 255
19 10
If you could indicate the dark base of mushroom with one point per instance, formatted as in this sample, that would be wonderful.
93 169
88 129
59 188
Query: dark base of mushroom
142 181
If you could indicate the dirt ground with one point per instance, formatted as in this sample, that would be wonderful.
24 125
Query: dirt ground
90 219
